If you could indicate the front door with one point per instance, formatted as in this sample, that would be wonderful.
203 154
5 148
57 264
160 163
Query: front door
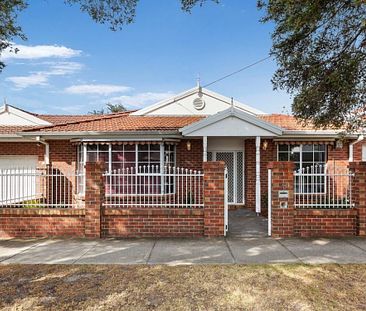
234 161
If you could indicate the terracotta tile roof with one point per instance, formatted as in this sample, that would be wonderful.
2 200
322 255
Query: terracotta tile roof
59 119
286 122
122 122
56 120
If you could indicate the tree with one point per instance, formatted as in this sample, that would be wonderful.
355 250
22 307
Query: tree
114 13
110 108
113 108
9 29
320 48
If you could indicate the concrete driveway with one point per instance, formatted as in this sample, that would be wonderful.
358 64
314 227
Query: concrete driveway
182 251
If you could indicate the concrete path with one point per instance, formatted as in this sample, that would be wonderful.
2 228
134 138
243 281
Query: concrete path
182 251
245 223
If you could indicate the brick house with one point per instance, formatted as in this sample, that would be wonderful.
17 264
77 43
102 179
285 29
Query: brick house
185 131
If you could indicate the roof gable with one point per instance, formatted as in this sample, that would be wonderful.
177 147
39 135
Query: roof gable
187 103
232 122
12 116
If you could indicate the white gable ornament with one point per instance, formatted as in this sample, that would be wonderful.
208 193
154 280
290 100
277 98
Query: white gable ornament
199 103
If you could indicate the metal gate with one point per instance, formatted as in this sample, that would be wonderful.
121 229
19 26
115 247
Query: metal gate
226 205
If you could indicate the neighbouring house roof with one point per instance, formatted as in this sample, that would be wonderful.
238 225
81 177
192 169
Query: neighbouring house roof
121 123
59 119
49 120
287 122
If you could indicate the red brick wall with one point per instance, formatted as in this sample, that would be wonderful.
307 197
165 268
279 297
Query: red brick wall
290 222
357 150
29 223
325 223
23 149
191 159
152 222
359 194
214 198
282 218
63 154
338 157
94 198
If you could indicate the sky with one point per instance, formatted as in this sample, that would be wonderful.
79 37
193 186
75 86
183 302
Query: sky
72 65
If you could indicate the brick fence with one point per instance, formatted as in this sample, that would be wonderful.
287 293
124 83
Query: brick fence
45 222
95 221
289 222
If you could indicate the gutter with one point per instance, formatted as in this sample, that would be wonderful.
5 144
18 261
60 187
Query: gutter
361 137
93 134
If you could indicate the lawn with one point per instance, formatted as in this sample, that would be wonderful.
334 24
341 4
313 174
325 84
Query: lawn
200 287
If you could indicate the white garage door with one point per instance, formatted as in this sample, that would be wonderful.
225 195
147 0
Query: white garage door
17 178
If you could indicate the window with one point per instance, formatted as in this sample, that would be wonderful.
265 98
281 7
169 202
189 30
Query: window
306 156
127 156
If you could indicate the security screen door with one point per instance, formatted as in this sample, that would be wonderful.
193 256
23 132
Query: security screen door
234 161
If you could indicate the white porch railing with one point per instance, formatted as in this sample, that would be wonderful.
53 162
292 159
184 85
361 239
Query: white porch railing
154 186
323 186
38 188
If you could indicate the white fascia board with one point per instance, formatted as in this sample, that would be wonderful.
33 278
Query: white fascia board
231 112
155 138
68 135
14 139
308 134
28 117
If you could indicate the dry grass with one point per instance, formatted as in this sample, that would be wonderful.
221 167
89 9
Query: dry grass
205 287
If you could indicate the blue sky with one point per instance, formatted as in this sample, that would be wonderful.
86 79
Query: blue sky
69 64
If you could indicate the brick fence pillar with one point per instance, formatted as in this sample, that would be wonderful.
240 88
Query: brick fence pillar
359 194
282 199
94 196
213 198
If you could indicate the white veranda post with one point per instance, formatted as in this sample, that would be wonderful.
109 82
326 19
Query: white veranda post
204 148
257 175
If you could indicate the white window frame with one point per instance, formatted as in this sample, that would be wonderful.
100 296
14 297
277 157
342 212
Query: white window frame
324 174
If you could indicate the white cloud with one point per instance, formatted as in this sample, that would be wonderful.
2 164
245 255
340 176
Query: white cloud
140 99
97 89
42 77
64 68
22 82
40 51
